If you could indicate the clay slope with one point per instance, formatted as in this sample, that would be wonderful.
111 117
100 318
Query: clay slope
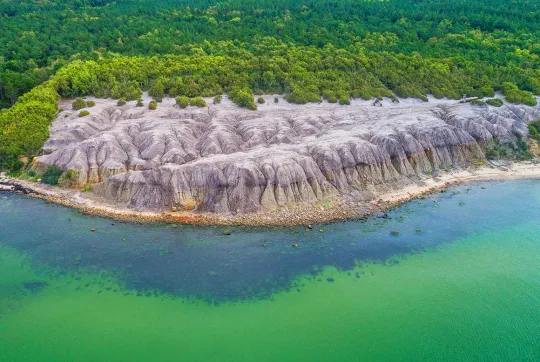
226 159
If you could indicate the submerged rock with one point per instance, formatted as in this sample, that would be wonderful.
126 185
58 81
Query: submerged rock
35 286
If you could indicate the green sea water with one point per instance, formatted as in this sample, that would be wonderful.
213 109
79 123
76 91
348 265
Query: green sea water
461 282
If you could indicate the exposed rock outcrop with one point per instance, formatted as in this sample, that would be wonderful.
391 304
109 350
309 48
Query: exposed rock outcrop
226 159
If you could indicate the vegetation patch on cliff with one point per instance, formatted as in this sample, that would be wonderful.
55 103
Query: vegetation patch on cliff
516 149
534 130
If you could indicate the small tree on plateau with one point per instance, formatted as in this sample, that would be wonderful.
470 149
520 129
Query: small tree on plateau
198 102
244 98
78 103
182 101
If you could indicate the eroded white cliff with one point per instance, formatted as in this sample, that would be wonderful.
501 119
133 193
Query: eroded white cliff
227 159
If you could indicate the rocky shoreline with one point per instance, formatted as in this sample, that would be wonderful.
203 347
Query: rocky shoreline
332 210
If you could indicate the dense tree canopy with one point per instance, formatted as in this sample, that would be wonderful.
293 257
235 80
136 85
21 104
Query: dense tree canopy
335 49
40 36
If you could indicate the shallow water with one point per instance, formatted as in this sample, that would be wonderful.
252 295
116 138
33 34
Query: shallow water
460 282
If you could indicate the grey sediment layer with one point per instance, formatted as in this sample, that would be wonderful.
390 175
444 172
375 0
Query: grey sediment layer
227 160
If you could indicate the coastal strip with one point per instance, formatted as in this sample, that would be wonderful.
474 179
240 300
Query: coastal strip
338 209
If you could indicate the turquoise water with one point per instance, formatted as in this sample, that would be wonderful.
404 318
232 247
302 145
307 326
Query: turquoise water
460 282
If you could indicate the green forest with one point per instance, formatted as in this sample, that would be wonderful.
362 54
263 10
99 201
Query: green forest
306 50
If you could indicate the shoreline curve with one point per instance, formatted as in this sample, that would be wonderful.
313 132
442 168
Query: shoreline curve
335 210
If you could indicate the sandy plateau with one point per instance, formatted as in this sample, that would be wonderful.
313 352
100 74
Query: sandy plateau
283 164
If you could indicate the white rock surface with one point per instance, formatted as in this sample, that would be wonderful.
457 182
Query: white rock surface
226 159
